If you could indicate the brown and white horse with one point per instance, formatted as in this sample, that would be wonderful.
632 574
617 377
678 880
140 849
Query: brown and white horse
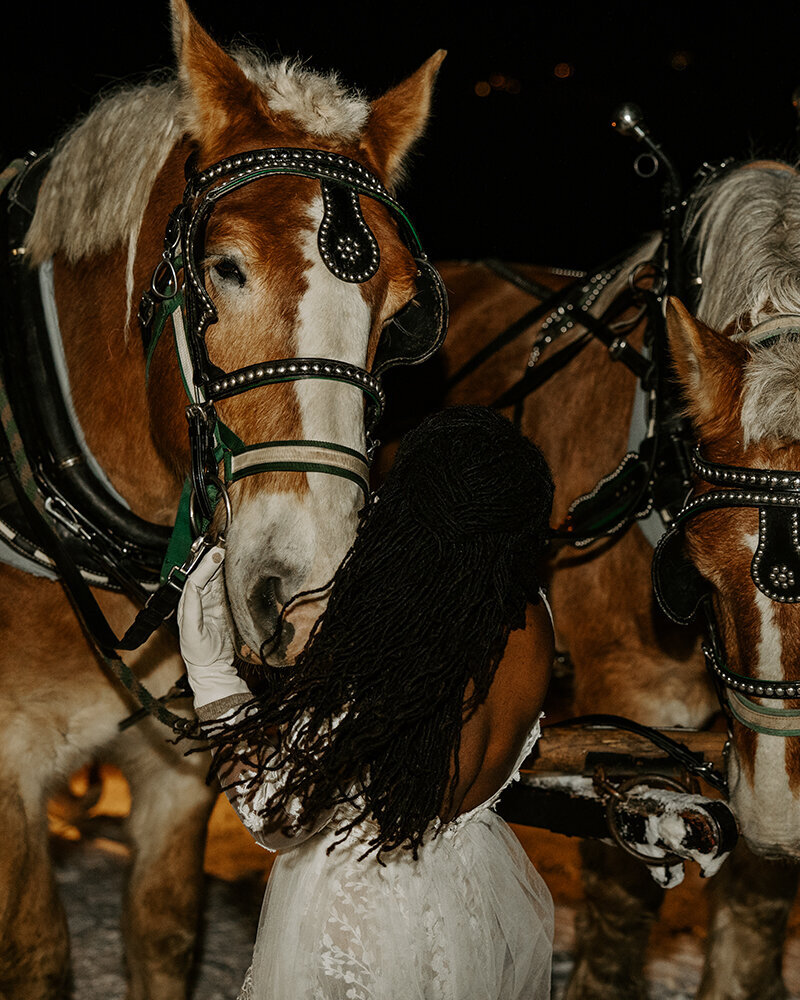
744 403
101 217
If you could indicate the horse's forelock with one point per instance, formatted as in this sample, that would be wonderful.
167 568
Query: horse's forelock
771 394
318 102
746 227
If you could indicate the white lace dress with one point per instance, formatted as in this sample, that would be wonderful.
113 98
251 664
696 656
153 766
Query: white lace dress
470 919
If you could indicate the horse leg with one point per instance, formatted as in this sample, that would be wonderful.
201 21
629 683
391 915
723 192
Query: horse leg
34 942
621 900
56 708
621 903
170 807
750 903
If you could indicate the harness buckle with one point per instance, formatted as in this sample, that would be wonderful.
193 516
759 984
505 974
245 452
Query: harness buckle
172 235
617 347
163 602
147 309
66 516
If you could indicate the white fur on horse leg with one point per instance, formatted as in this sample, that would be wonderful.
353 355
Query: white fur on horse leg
56 708
34 943
621 903
751 899
167 826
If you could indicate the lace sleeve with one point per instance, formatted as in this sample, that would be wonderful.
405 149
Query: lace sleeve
248 794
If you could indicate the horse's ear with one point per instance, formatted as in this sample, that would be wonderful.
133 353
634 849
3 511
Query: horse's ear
708 363
399 118
214 87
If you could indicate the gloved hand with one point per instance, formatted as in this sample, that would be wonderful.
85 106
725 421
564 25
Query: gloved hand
206 632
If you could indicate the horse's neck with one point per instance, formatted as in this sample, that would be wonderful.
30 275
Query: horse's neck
106 368
580 417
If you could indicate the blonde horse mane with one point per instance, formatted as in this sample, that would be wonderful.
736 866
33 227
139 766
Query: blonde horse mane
747 230
746 225
103 169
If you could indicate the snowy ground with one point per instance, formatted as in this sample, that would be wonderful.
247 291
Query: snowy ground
91 862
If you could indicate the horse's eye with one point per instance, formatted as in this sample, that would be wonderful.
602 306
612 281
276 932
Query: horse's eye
228 270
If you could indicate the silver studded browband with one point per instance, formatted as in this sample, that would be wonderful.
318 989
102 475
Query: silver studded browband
749 685
745 486
732 475
293 370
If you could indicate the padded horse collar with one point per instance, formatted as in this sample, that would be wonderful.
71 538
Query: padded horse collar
114 548
349 250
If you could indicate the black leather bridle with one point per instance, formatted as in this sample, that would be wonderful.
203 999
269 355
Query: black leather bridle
681 591
349 250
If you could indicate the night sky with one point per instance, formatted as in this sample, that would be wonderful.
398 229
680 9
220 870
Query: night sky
532 170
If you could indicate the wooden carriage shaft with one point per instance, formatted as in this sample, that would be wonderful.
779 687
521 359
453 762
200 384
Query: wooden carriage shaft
563 750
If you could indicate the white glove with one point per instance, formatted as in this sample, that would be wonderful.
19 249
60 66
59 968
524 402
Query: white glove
206 632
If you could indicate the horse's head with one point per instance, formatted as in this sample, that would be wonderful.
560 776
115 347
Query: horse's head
740 370
288 253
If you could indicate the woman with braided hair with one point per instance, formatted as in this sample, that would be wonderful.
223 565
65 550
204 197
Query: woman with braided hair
372 763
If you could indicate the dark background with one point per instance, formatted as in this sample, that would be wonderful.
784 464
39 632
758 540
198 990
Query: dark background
530 172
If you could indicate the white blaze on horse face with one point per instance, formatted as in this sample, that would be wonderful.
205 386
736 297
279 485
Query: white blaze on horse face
280 544
766 808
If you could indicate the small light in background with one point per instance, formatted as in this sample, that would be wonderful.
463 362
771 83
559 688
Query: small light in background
680 60
563 70
498 82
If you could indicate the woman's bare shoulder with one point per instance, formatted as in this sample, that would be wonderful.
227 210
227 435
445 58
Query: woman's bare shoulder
493 738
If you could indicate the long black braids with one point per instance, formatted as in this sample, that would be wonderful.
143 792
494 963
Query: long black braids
445 560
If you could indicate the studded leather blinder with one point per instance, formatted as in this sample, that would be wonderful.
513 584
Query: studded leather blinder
346 243
776 564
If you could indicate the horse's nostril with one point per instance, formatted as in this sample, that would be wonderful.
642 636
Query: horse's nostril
262 603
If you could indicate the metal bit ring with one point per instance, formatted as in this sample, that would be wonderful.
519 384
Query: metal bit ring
196 521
